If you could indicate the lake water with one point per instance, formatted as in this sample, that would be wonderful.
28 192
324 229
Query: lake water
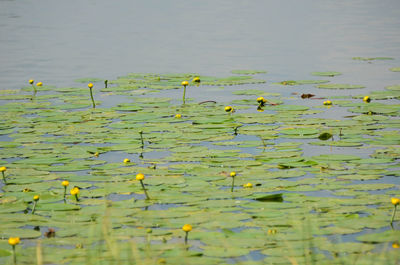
57 42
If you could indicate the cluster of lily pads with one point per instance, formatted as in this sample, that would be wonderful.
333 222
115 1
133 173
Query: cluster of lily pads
255 180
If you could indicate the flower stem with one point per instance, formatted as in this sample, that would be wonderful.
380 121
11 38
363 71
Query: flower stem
14 255
186 237
233 182
34 206
184 94
141 138
76 197
394 213
34 88
4 177
145 191
91 95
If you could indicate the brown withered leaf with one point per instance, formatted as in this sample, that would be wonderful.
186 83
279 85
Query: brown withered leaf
307 95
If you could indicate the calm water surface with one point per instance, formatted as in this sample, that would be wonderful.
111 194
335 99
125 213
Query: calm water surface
59 41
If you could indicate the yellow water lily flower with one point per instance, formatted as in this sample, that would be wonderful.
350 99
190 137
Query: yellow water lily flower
65 183
187 228
261 100
328 102
233 174
31 81
248 185
74 191
36 198
13 241
228 109
39 84
90 85
395 201
2 169
178 116
140 176
367 99
127 160
185 83
196 79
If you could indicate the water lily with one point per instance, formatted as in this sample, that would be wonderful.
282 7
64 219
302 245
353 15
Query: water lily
65 184
178 116
13 241
395 202
3 170
261 101
90 86
248 185
140 177
75 191
127 160
35 200
232 175
229 109
367 99
184 84
186 228
327 103
196 79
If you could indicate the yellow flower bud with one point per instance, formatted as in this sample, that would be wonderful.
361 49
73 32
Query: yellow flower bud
65 183
228 109
36 198
90 85
140 176
395 201
187 228
328 102
2 169
96 154
31 81
185 83
74 191
39 84
13 241
178 116
261 100
395 245
367 99
233 174
196 79
126 160
248 185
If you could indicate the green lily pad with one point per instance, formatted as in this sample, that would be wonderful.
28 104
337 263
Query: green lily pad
339 86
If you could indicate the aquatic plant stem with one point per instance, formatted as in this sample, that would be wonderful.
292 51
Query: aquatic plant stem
145 191
394 213
186 237
14 255
91 95
184 95
34 206
4 177
34 88
141 138
233 183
